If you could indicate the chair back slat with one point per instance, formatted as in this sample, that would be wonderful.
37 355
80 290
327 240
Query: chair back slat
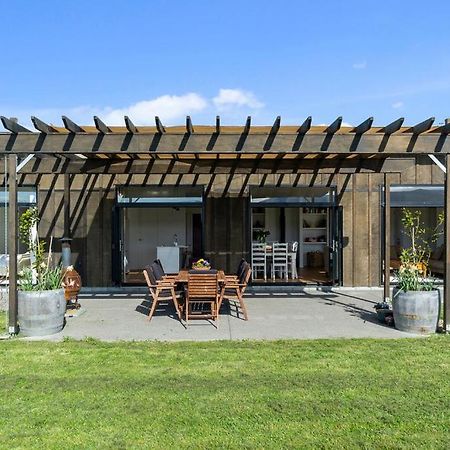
203 286
157 270
240 267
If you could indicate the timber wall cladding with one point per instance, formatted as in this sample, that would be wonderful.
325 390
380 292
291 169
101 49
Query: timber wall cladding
226 213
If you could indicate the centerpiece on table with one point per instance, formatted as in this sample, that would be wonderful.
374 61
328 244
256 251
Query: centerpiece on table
415 301
41 299
201 264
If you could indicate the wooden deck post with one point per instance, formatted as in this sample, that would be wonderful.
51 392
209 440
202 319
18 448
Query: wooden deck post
387 238
447 247
12 244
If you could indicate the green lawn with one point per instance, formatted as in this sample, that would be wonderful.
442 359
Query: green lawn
286 394
3 326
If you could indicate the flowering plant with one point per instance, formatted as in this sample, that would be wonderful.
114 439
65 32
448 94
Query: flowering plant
41 275
201 264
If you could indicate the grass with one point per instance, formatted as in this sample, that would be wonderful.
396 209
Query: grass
3 325
286 394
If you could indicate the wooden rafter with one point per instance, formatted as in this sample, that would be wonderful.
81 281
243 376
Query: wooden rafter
305 126
422 126
335 126
130 125
101 126
42 126
363 127
393 126
248 124
13 126
189 126
276 125
71 126
217 124
159 125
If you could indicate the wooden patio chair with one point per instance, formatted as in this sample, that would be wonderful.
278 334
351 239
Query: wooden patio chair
235 290
202 290
239 270
159 271
161 291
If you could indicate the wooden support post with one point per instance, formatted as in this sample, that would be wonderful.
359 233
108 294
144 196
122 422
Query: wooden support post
12 243
387 238
66 251
447 247
67 205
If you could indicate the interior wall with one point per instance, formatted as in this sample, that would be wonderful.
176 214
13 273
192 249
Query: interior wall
147 228
292 224
273 224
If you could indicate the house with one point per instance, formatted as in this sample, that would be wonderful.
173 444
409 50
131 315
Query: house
125 195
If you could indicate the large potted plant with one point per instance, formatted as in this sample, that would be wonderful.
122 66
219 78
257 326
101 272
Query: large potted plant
415 301
41 301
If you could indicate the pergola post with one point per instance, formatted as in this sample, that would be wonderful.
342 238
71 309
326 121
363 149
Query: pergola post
12 244
447 247
66 253
387 238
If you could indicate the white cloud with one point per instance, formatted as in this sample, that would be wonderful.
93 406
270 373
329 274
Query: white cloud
167 107
172 109
360 65
397 105
230 98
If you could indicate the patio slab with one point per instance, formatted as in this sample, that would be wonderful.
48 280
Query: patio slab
283 315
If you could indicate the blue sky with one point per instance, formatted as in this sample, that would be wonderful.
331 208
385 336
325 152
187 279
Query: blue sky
233 58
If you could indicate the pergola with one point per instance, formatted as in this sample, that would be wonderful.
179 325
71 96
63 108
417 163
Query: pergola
192 149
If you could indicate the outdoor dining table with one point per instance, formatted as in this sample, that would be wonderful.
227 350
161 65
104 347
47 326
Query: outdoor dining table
183 276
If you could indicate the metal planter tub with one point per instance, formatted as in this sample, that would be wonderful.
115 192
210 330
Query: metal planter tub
41 312
416 311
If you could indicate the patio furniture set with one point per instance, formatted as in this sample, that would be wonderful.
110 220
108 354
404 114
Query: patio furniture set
278 259
197 294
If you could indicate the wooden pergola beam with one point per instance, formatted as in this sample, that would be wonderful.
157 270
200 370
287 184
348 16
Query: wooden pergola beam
248 124
13 126
57 165
101 126
71 126
276 126
213 143
189 126
422 126
218 124
305 126
363 126
159 125
130 125
335 126
42 126
393 126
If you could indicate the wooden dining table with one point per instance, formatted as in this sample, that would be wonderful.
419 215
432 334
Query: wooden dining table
183 276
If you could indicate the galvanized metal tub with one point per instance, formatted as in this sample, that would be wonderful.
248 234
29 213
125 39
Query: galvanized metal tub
41 313
416 311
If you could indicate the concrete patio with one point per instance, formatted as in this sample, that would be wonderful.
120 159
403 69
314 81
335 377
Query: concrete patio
311 314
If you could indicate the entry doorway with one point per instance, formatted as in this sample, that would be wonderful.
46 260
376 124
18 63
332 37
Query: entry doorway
171 234
309 222
155 223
